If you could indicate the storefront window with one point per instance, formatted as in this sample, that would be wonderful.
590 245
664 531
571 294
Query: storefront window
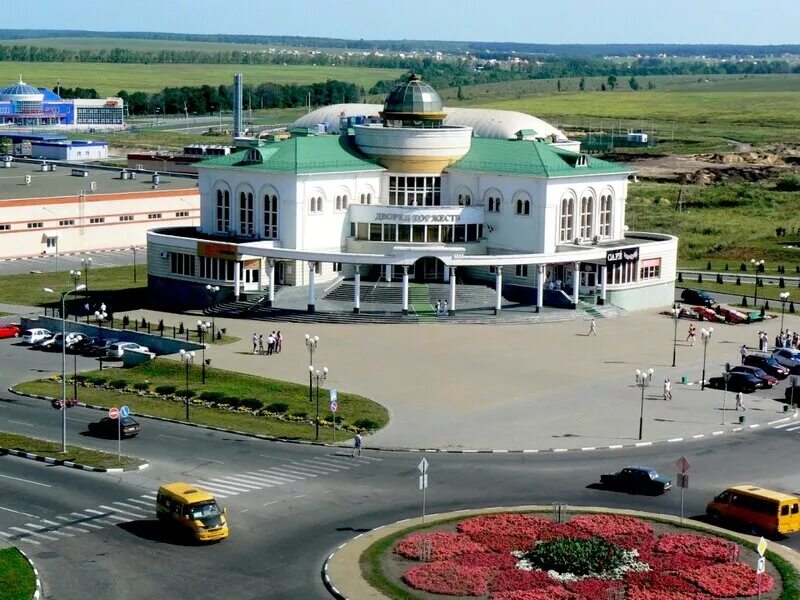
461 233
418 233
432 234
375 233
404 233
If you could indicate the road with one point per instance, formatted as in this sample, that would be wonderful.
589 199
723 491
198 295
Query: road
290 505
65 262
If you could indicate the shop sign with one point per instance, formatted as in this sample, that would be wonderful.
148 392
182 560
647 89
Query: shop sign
217 250
419 217
623 255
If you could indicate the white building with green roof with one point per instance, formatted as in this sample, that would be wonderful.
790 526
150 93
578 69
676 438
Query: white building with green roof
408 195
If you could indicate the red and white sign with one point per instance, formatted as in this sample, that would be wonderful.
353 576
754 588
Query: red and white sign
113 412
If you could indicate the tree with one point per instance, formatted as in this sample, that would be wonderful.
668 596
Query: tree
651 85
460 94
582 84
633 83
612 82
558 85
602 87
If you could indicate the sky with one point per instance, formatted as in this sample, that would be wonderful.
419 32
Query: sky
535 21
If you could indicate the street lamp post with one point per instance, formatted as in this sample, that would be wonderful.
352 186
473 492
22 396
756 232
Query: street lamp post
64 363
317 376
676 314
76 279
311 344
86 263
784 296
705 336
100 315
726 376
212 291
188 359
643 379
757 264
202 328
134 248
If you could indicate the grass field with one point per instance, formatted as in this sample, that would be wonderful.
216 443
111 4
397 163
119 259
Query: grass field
108 43
17 580
110 78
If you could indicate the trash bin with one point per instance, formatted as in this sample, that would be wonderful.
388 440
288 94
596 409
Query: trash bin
684 379
785 408
741 419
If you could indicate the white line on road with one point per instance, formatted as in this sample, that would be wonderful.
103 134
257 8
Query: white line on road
26 480
792 428
48 530
20 423
273 502
283 474
300 496
19 538
219 462
235 485
239 480
84 521
174 437
18 512
782 425
27 532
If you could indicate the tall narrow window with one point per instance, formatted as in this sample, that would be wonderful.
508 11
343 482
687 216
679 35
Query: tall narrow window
246 213
605 215
567 230
223 211
271 217
587 208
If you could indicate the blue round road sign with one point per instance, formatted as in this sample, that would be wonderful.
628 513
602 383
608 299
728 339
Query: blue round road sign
124 411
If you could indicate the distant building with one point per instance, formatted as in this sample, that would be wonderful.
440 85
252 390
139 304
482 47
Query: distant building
23 105
177 162
70 150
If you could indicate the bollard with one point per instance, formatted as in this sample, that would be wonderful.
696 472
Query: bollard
173 332
684 379
741 419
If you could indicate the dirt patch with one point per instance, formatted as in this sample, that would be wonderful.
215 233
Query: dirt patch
729 174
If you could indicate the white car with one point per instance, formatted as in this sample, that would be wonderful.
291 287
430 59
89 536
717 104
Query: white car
32 336
789 358
118 349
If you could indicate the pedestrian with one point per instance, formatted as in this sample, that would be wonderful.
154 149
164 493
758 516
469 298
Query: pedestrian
667 389
357 445
261 343
255 342
743 352
739 403
279 342
692 334
444 308
438 308
271 344
592 327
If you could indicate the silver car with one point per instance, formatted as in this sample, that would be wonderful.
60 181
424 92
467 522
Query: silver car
118 349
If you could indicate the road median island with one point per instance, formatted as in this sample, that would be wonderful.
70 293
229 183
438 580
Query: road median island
227 400
75 456
18 579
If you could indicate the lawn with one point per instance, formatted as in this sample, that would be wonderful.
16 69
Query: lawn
228 386
17 580
84 456
110 78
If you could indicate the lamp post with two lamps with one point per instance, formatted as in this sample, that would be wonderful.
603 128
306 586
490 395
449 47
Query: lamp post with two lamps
676 314
212 291
643 379
311 343
758 265
705 336
63 295
317 376
784 296
100 316
202 329
188 359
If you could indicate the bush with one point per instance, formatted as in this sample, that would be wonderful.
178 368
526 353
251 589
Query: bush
185 393
141 386
80 377
165 390
719 278
97 379
118 384
743 267
791 307
144 324
366 424
790 183
125 321
699 278
744 301
726 266
212 396
334 418
680 277
300 414
738 280
232 401
251 403
277 407
181 330
781 283
708 266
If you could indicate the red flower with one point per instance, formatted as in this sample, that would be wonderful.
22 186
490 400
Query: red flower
609 526
675 561
515 580
499 561
548 594
507 532
445 577
592 589
701 546
729 580
443 545
664 583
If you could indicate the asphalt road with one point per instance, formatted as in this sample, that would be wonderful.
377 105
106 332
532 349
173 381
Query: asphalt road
290 505
63 262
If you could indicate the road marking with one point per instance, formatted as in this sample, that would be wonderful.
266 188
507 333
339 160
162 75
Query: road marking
67 520
17 511
302 471
260 479
20 423
48 529
300 496
273 502
85 521
29 533
586 448
26 480
219 462
336 464
313 467
792 428
282 474
174 437
236 485
19 538
782 425
238 479
220 490
149 496
101 515
675 440
78 420
615 447
147 503
124 505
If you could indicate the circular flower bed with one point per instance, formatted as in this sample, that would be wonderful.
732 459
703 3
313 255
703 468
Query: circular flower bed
592 557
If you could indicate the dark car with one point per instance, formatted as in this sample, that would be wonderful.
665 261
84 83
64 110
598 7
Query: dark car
767 364
100 347
769 380
738 382
792 394
107 427
83 345
697 297
643 480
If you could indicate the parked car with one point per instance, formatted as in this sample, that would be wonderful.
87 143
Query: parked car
9 330
636 479
698 297
107 427
100 347
118 349
54 344
769 380
767 364
789 358
83 345
738 382
32 336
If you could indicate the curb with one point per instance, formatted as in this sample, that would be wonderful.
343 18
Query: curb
272 438
38 592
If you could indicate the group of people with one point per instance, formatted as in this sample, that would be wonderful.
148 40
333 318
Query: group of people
784 339
274 343
441 308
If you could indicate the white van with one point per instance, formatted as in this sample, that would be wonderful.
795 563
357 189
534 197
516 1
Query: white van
31 336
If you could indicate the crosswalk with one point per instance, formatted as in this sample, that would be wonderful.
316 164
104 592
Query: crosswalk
790 426
40 530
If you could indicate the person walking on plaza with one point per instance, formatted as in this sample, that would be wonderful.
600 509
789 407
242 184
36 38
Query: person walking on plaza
444 308
739 403
261 343
255 342
743 352
278 342
667 389
438 308
592 327
692 334
357 445
271 344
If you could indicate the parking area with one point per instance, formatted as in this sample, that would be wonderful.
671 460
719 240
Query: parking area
65 262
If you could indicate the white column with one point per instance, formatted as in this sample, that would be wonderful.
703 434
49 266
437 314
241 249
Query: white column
498 286
357 291
271 297
446 274
576 281
405 290
452 307
540 283
603 276
389 273
236 279
311 291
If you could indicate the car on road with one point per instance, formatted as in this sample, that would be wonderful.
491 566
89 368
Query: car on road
697 297
769 380
738 382
636 479
107 427
118 349
100 347
789 358
9 330
192 509
767 364
32 336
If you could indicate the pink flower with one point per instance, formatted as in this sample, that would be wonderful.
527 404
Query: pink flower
499 561
445 577
507 532
517 580
609 526
729 580
443 545
591 589
548 594
701 546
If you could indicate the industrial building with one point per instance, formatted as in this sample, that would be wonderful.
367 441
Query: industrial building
69 150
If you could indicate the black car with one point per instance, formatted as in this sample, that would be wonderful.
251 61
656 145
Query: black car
100 347
83 345
635 479
697 297
738 382
767 364
107 427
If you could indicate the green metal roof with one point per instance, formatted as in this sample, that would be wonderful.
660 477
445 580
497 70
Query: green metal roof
528 157
298 155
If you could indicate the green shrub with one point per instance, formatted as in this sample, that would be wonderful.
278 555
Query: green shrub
97 379
118 384
232 401
334 418
366 424
185 393
277 407
212 396
141 386
790 183
300 414
81 377
251 403
578 556
165 390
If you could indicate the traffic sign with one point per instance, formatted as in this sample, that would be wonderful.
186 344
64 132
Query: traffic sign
113 412
423 482
334 405
124 411
762 546
422 467
683 464
334 395
762 565
683 480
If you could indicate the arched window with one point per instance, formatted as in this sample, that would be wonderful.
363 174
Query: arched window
338 203
246 213
223 209
605 215
369 198
315 205
344 202
319 203
567 229
493 202
464 199
587 215
363 199
523 207
271 216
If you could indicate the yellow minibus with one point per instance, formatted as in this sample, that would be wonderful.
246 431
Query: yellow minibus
763 510
193 509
